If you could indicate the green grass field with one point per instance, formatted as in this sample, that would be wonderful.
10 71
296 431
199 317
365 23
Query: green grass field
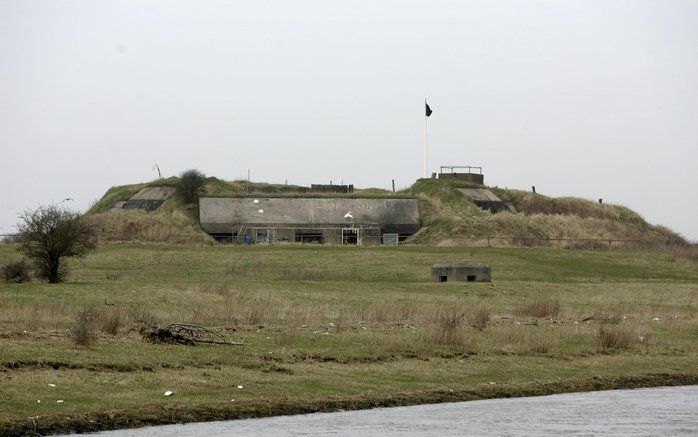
335 327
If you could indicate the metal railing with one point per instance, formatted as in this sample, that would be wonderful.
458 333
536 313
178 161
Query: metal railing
460 167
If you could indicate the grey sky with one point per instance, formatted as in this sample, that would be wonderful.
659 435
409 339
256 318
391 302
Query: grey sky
586 98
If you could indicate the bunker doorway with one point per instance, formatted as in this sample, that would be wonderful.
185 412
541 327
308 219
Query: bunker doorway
471 278
310 237
264 236
350 236
443 278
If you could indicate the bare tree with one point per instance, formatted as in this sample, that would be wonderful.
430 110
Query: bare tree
190 184
48 234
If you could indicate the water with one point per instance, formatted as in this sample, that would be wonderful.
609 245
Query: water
651 412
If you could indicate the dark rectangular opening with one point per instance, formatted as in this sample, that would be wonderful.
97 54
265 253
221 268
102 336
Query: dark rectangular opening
471 278
443 278
310 237
223 237
350 236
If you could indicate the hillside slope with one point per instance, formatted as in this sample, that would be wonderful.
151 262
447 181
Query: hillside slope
451 218
448 216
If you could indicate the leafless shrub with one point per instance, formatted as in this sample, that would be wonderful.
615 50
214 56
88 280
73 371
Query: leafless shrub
481 318
541 308
15 272
617 337
110 319
82 330
49 234
190 184
446 330
143 316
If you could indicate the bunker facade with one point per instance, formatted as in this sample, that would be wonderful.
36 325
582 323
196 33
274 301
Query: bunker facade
266 220
469 272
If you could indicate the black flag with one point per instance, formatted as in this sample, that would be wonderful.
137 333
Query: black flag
427 108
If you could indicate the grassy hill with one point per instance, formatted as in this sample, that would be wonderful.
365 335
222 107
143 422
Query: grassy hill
448 216
451 218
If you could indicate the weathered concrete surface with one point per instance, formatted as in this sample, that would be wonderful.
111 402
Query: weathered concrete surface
479 194
470 272
219 215
149 199
486 199
469 177
154 193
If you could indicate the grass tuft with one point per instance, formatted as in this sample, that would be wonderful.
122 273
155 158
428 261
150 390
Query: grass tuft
541 308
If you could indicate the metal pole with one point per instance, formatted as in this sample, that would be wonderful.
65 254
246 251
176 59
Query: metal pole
424 162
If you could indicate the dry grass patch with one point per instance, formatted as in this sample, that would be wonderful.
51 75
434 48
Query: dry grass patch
617 337
446 330
81 332
110 319
390 311
480 318
541 308
676 252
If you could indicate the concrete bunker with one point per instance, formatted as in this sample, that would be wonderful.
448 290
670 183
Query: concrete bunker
148 199
461 272
315 220
487 200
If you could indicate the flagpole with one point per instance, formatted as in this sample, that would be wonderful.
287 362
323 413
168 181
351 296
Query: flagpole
424 161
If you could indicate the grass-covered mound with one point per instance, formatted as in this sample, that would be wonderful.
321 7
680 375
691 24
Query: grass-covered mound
451 218
448 216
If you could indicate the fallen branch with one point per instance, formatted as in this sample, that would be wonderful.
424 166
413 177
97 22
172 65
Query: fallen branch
183 333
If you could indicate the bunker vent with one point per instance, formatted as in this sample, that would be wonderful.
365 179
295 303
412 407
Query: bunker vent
461 272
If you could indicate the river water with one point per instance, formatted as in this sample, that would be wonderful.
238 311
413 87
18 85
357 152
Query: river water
664 411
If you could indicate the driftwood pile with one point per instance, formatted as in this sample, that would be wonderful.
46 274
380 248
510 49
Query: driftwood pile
183 333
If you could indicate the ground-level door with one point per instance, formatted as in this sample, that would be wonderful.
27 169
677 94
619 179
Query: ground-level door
350 236
264 236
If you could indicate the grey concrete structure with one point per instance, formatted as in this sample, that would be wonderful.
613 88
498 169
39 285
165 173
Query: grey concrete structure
352 221
468 177
149 199
486 199
469 272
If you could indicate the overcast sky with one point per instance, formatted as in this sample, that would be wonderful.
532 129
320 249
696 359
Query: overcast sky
582 98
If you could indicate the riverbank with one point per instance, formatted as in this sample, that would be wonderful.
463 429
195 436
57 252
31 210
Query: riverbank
149 416
332 328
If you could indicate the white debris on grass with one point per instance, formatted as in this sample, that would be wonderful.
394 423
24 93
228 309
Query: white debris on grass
168 393
240 386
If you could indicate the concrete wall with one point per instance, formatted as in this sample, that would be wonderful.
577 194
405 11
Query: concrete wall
232 215
469 177
461 272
